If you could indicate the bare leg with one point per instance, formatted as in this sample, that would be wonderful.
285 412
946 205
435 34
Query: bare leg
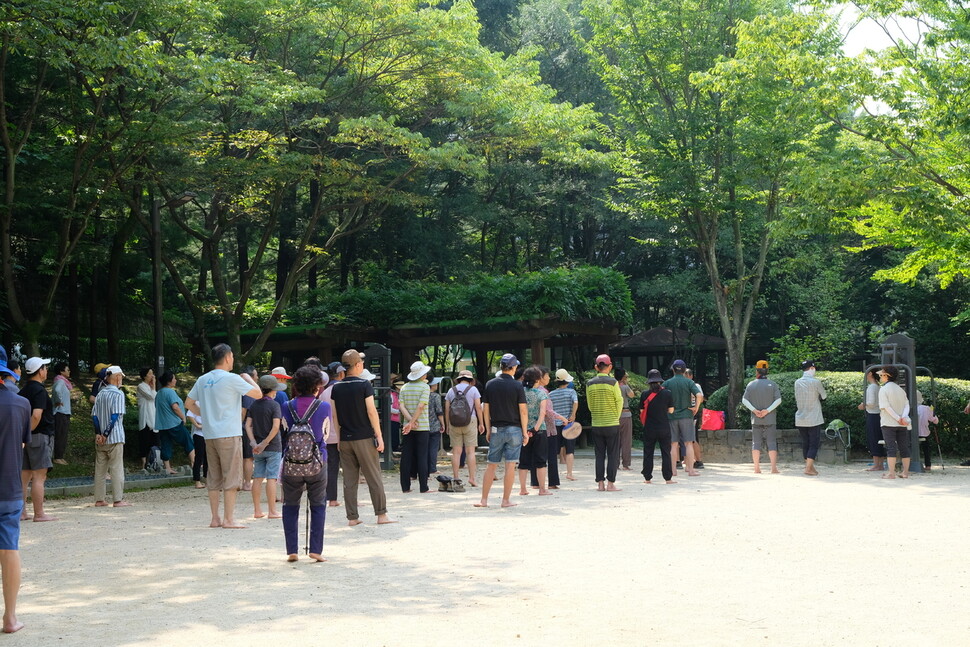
168 467
487 484
472 467
674 456
214 496
689 462
10 564
756 459
456 462
522 488
271 499
508 484
570 459
257 495
37 495
229 509
247 474
541 475
810 467
25 482
773 455
905 473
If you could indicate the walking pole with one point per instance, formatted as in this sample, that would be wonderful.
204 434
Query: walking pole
306 536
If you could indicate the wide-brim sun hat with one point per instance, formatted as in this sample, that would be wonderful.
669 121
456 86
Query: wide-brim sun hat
418 370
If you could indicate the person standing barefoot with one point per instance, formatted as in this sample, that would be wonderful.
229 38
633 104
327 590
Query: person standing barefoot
762 397
809 394
506 423
15 416
895 421
656 405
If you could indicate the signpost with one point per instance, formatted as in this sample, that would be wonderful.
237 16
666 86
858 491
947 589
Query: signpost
378 361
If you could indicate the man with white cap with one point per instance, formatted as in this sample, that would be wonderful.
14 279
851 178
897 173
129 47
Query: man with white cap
14 435
38 452
108 415
506 427
415 397
463 422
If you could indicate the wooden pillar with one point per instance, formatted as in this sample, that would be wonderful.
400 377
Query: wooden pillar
481 366
538 351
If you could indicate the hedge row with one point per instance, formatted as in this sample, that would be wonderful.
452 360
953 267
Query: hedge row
846 390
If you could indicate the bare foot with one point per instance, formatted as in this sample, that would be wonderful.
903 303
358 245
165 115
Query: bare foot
480 505
334 504
26 517
259 515
44 517
100 504
545 493
693 473
275 515
12 627
508 504
121 504
199 485
232 525
904 475
612 488
873 469
757 470
216 523
775 470
384 519
523 493
354 522
553 487
889 476
317 558
601 487
247 487
473 483
647 482
171 472
670 482
292 557
570 477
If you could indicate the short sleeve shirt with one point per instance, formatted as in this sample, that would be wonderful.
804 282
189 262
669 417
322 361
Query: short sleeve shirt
657 417
470 394
533 400
38 398
681 390
14 433
165 418
562 400
413 395
349 397
219 394
263 412
503 395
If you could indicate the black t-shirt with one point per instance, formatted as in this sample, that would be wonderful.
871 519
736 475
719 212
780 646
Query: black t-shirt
657 417
348 396
504 395
14 433
38 397
263 412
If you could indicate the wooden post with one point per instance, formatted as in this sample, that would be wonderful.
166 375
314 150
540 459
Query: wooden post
538 351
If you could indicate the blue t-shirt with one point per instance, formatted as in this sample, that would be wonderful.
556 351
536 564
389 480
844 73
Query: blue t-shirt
165 418
219 394
14 433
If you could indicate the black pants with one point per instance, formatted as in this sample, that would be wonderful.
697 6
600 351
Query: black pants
651 437
200 467
414 452
434 444
333 466
62 427
606 441
927 453
811 438
552 461
874 435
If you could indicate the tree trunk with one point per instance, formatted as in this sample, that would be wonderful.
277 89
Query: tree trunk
118 243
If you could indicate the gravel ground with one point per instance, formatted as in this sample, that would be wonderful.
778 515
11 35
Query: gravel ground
727 558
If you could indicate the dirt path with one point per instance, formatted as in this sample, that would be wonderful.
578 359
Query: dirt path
728 558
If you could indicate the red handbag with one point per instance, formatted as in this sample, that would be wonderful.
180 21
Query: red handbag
712 420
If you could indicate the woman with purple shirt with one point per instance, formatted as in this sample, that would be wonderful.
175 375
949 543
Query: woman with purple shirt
306 386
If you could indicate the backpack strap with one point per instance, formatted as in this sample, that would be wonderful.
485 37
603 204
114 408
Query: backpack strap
312 409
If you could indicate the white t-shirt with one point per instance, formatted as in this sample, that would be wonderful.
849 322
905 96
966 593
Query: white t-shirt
219 394
146 406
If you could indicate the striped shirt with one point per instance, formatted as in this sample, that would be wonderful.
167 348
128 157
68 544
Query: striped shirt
604 400
562 400
413 394
110 402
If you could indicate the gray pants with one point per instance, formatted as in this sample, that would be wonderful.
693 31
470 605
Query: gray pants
897 438
766 433
360 457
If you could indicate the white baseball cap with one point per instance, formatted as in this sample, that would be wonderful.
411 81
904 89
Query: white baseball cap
562 375
33 364
111 370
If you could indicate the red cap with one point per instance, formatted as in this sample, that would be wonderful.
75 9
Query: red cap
603 359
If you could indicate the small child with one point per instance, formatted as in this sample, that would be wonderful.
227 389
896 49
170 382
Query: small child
200 467
263 430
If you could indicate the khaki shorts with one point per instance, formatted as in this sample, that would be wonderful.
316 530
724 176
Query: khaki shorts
466 436
225 463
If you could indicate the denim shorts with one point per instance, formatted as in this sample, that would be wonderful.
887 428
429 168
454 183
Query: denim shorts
505 444
266 465
10 524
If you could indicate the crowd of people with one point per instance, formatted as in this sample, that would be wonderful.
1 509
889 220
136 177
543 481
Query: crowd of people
249 434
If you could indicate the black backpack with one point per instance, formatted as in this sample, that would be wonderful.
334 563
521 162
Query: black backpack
302 457
460 412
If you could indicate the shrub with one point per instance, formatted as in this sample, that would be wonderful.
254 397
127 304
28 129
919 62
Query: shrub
847 390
